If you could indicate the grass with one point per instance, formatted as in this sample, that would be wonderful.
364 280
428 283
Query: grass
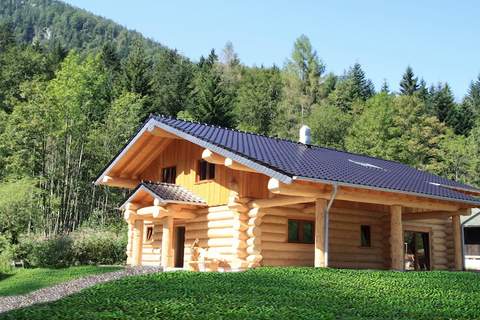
22 281
272 293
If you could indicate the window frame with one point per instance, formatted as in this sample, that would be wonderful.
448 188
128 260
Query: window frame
209 171
171 168
365 235
300 231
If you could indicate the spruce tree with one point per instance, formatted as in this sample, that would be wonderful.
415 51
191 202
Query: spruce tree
409 83
137 69
211 102
385 88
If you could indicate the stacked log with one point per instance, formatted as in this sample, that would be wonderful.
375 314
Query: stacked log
254 242
239 209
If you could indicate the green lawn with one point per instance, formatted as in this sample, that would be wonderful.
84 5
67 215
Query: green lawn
25 280
273 293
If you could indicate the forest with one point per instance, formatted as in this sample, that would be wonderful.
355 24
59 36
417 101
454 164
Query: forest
75 86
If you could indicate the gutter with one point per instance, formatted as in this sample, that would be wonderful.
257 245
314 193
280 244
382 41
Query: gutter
326 222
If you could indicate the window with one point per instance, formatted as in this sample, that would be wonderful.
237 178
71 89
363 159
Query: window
169 174
301 231
365 239
206 171
149 235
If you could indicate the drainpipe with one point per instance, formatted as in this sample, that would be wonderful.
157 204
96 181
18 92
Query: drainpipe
325 222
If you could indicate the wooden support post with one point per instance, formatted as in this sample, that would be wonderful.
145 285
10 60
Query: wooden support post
137 242
167 242
320 226
457 242
396 238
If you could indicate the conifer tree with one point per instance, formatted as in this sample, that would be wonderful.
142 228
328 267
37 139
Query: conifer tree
409 83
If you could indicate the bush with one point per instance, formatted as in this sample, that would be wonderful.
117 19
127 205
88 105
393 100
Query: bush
86 246
6 254
99 247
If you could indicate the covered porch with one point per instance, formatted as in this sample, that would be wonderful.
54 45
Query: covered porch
396 214
167 205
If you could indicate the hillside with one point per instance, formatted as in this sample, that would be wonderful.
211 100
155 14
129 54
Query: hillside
53 22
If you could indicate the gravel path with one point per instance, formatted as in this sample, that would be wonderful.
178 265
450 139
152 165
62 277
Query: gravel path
67 288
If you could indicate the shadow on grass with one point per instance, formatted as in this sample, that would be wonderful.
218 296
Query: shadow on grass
4 276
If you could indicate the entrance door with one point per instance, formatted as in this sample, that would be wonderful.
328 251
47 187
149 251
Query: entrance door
417 251
179 246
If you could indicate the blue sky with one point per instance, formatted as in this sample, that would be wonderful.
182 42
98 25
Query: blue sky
439 39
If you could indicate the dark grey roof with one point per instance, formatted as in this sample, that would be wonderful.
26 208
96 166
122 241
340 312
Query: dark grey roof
168 193
287 160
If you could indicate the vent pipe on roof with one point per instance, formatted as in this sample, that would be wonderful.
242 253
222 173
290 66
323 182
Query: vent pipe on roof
304 135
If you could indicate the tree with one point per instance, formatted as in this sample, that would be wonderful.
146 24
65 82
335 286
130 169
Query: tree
137 70
353 88
7 38
329 126
409 83
397 128
257 99
301 85
472 99
211 102
385 88
442 103
171 83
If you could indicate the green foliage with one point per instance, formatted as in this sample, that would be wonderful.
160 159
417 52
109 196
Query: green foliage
18 207
211 99
21 281
409 83
257 99
354 87
84 246
6 255
272 293
398 128
329 126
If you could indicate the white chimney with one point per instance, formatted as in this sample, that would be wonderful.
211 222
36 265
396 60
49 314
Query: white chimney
304 135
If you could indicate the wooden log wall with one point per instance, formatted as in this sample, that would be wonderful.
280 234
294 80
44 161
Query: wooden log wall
151 250
214 228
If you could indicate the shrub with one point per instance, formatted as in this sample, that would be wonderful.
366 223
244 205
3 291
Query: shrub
99 247
6 254
86 246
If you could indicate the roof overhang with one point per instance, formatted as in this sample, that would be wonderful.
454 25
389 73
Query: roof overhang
151 124
358 186
143 194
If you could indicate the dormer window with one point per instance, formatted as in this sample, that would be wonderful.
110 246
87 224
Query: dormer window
206 171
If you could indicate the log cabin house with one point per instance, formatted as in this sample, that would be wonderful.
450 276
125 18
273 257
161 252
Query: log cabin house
209 198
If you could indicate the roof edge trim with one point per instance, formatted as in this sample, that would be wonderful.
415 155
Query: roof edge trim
360 186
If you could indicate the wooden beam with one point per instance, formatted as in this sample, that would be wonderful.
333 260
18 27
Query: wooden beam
211 157
396 238
427 215
295 189
360 195
151 156
279 201
457 242
120 182
229 163
157 132
320 250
